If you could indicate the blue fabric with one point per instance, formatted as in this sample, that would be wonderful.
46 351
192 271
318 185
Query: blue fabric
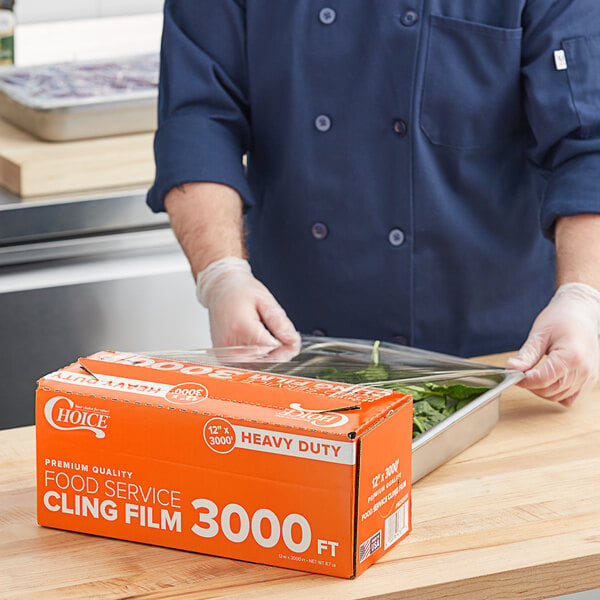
452 124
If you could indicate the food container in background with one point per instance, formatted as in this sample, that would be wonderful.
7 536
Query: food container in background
456 400
77 100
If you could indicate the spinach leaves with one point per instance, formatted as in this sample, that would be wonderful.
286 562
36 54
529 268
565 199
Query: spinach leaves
432 402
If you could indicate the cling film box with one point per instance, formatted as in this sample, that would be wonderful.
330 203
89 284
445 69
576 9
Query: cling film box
250 465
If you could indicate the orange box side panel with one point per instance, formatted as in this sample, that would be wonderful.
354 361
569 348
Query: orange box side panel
384 487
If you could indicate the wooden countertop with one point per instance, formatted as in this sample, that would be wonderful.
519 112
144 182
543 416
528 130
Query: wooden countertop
517 514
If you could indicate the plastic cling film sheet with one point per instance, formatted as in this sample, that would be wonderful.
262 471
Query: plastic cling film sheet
441 386
72 84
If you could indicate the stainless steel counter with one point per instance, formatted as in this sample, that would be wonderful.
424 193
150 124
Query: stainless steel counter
76 215
84 273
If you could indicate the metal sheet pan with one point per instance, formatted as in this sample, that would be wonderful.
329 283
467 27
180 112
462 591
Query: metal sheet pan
431 448
79 100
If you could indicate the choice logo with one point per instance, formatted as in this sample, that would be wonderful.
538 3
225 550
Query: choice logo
187 393
62 413
315 417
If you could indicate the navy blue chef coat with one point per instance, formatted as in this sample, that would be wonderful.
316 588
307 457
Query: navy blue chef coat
407 159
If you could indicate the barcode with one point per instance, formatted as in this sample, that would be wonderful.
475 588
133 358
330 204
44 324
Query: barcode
396 525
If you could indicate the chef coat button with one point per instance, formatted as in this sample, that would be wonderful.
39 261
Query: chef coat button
409 18
396 237
400 339
327 16
400 127
319 231
323 123
319 332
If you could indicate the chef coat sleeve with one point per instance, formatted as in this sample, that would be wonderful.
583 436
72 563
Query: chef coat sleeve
203 128
563 104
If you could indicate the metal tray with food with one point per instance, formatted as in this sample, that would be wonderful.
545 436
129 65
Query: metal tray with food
456 401
76 100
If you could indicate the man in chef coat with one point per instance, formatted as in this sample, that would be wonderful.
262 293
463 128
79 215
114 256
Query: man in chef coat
423 172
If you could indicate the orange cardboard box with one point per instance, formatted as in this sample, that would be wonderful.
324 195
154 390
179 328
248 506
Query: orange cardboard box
280 470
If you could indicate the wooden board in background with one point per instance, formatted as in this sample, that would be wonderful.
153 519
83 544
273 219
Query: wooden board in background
30 167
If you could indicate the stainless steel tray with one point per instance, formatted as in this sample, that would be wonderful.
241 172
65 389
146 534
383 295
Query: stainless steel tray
79 100
431 448
460 430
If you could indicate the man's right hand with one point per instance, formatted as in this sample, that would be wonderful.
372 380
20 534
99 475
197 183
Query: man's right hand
207 220
242 311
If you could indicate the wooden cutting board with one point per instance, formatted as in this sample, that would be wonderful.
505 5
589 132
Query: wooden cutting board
30 167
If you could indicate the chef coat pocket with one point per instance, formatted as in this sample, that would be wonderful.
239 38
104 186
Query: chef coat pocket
471 90
583 71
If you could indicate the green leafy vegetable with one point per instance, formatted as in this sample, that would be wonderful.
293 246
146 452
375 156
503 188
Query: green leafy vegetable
432 402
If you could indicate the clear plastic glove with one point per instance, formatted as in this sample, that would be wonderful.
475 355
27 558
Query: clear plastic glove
242 311
566 333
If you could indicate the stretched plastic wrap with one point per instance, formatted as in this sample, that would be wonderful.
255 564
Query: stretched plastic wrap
82 99
456 401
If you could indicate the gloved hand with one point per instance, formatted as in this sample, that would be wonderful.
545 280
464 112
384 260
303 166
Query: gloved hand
566 332
242 311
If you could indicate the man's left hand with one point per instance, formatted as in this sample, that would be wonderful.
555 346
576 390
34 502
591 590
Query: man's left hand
565 335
